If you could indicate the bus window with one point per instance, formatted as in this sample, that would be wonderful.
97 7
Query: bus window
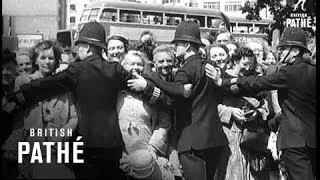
261 28
152 18
85 15
198 19
245 27
94 14
233 27
109 15
174 19
130 16
215 22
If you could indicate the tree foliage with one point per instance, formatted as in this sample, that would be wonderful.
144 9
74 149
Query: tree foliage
276 9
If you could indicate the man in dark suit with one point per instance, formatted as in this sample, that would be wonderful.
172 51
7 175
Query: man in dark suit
296 85
95 83
9 74
199 131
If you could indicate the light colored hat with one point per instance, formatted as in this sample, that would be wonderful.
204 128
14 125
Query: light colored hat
142 165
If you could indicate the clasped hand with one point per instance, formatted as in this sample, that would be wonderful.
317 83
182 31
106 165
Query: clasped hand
213 73
139 83
8 106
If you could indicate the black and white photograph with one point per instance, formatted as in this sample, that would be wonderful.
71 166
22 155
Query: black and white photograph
158 89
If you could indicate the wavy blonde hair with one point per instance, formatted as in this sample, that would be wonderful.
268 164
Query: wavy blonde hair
145 61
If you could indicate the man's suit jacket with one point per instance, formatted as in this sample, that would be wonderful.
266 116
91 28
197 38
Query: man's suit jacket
197 123
296 85
95 83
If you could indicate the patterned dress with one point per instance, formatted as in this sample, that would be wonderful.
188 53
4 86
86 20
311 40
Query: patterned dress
235 165
141 125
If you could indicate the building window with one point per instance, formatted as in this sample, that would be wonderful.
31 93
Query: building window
212 5
233 6
72 8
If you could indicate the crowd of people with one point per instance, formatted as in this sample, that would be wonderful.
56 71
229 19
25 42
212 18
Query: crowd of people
205 108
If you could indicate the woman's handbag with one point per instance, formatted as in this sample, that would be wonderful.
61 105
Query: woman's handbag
255 130
255 136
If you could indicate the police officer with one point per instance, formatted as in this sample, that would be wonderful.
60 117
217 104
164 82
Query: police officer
200 135
296 85
95 83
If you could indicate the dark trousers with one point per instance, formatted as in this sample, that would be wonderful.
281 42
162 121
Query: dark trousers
100 164
300 163
200 164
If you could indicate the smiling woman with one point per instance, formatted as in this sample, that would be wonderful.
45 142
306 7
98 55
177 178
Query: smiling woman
24 62
144 128
54 113
219 55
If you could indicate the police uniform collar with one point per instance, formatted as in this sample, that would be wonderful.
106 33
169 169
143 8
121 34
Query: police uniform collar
296 60
193 57
93 57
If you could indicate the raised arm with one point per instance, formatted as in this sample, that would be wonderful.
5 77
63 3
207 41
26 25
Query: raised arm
49 86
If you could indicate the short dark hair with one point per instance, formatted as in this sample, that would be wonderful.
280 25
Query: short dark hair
45 45
95 49
245 52
195 45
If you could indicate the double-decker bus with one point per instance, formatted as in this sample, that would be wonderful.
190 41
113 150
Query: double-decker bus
243 29
131 19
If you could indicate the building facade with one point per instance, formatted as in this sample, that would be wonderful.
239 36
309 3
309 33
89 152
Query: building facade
74 9
34 16
27 21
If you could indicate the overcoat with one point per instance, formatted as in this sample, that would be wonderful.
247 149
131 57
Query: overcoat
197 123
95 83
296 85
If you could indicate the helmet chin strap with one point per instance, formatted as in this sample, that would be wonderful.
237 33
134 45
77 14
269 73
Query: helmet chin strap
284 59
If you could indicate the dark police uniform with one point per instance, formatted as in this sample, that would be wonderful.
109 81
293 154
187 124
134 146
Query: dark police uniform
96 84
200 134
296 85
